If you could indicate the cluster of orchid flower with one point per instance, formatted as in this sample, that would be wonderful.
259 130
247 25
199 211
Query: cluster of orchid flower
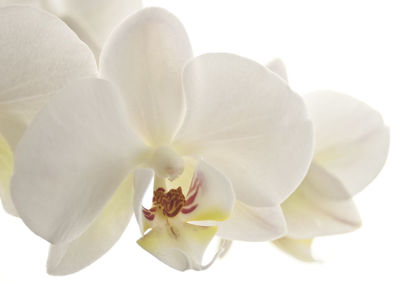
99 106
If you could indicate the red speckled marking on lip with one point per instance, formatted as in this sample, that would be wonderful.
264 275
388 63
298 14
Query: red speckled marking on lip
197 182
191 199
173 202
148 214
189 210
150 217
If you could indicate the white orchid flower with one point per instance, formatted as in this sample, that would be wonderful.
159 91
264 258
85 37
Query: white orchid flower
351 147
91 20
227 121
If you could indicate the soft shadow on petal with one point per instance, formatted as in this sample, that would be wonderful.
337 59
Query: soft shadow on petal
99 237
71 160
253 224
352 141
92 20
143 180
181 247
144 57
300 249
39 55
6 170
15 117
311 214
246 122
19 2
322 184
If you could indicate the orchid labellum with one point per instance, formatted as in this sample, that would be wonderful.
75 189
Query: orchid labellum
351 147
153 119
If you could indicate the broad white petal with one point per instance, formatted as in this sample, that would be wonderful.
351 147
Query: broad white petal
39 55
278 67
309 214
71 160
144 57
181 247
352 141
6 170
143 180
210 196
246 122
98 239
300 249
92 20
253 224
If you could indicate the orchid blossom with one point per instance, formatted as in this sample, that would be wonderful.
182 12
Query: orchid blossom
91 20
156 117
351 147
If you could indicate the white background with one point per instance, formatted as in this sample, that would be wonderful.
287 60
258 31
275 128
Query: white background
348 46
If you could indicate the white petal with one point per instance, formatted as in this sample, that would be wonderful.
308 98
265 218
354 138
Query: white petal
6 170
144 57
181 247
300 249
324 185
71 160
246 122
210 196
15 117
253 224
310 214
278 67
143 180
19 2
92 20
39 55
98 239
351 139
